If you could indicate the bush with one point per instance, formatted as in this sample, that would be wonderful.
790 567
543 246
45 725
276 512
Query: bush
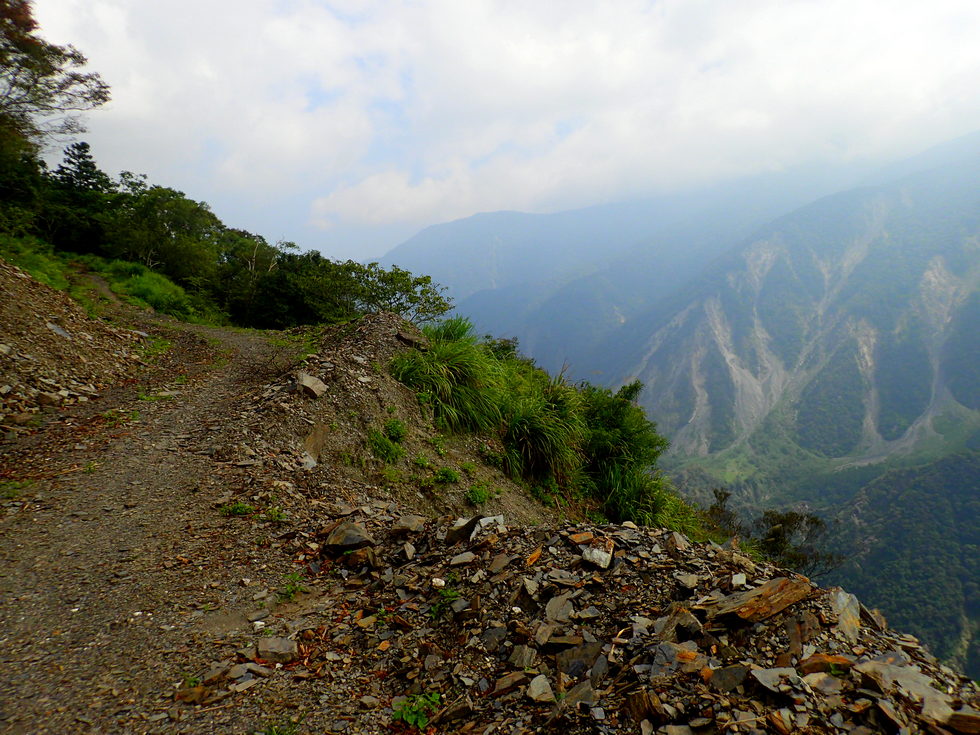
395 430
479 494
35 257
569 441
383 447
446 475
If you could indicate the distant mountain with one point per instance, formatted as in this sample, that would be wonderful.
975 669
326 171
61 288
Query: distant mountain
825 361
920 532
795 350
560 282
847 329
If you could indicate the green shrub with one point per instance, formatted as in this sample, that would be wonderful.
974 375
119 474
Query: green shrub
480 493
415 709
237 509
395 430
383 447
446 475
157 291
459 378
538 442
569 441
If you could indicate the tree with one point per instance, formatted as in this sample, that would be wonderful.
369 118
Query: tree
41 84
415 298
79 172
75 202
164 230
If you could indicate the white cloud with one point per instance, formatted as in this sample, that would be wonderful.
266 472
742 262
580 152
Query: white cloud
370 113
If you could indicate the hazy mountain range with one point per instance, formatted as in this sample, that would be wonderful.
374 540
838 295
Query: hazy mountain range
797 346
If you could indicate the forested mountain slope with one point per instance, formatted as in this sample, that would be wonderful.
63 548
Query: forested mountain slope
837 343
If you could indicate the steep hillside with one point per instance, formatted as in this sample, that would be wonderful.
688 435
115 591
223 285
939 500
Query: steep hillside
214 544
561 282
920 533
838 342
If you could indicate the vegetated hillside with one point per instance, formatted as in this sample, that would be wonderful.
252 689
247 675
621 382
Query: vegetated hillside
561 282
242 560
920 530
838 342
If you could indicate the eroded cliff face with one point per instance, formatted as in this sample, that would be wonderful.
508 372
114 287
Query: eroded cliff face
830 354
832 332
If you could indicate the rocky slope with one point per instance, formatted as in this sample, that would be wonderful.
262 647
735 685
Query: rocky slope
213 547
51 352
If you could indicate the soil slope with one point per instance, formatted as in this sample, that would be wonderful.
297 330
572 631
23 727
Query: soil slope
203 546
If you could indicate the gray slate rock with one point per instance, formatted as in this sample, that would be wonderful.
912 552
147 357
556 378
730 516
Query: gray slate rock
277 650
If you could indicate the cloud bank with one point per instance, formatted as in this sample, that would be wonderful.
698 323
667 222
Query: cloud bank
329 119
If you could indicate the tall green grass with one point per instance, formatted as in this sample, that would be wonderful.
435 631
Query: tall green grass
577 440
455 376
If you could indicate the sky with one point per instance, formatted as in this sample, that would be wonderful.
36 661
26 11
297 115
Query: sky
347 126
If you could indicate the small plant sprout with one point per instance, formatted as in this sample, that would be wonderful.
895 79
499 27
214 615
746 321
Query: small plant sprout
416 709
274 514
292 587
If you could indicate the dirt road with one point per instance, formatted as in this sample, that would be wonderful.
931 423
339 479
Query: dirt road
115 568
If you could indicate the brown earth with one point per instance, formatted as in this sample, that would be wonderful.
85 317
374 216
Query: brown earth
200 546
120 578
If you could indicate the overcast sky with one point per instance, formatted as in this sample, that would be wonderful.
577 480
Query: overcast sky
347 126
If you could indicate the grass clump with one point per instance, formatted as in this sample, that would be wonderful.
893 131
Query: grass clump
395 430
571 442
456 375
383 447
480 494
446 476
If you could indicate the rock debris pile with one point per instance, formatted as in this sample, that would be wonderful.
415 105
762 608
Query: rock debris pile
53 353
481 628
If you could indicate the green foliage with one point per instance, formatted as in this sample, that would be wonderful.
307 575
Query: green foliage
831 407
792 539
903 376
273 514
41 83
416 709
461 379
237 508
173 254
292 587
395 430
10 489
567 440
447 595
283 727
921 563
480 493
446 475
383 447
